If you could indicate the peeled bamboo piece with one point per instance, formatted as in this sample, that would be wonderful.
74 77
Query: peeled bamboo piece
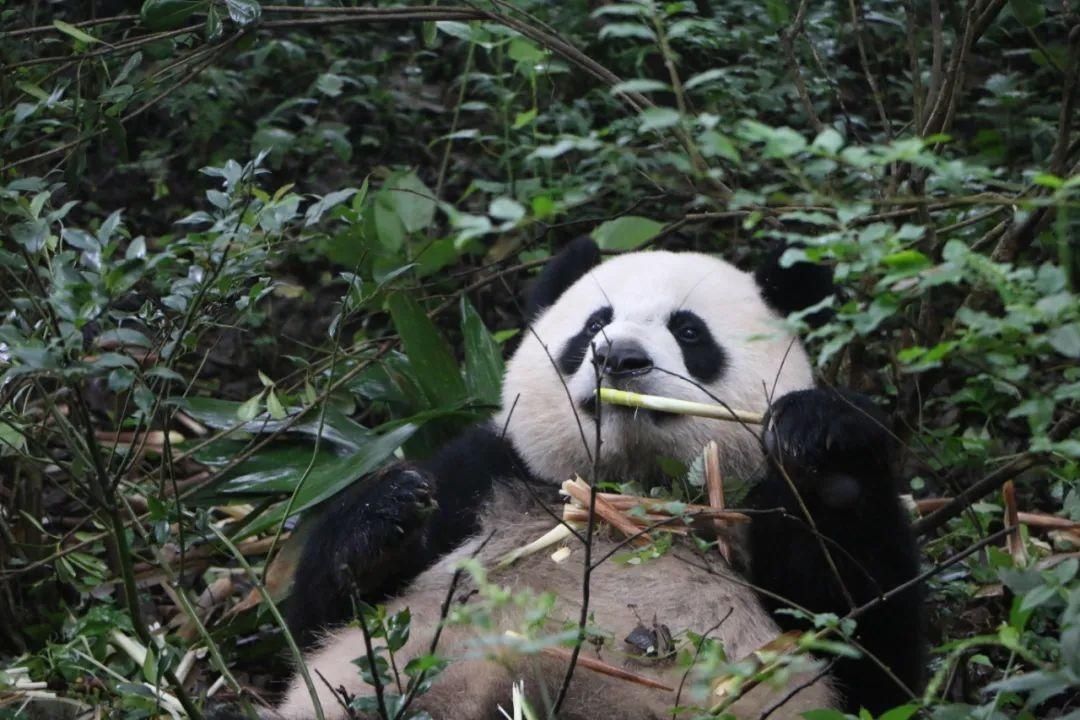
678 407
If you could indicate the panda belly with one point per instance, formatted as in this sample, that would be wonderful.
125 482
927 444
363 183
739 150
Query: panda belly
677 589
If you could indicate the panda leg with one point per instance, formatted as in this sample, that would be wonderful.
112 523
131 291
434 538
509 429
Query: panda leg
830 456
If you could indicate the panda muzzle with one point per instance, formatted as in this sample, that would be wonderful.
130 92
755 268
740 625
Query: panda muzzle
618 359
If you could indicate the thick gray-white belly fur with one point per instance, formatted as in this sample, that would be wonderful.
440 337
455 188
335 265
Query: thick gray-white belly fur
681 589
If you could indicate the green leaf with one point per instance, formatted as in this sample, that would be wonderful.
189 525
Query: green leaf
249 408
213 28
429 354
828 141
74 32
1066 339
899 713
483 361
626 233
330 84
506 209
243 12
274 406
627 30
640 85
388 227
524 118
337 427
397 630
1028 12
658 118
824 715
778 11
1038 596
276 140
704 78
330 477
714 144
316 210
169 14
12 439
411 199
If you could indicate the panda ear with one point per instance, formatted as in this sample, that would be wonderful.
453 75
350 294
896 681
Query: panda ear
796 287
562 271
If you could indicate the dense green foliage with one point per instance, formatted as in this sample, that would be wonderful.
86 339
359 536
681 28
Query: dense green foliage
250 251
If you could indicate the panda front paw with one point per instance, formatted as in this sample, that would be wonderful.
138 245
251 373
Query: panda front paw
361 545
834 445
405 501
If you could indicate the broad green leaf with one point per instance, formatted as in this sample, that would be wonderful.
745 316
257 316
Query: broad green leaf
328 478
169 14
429 354
658 118
506 209
249 408
483 361
626 233
829 141
411 199
1028 12
778 11
715 144
1066 339
337 427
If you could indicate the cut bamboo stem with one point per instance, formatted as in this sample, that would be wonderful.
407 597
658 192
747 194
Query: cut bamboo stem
664 523
662 507
678 407
1034 519
714 484
580 491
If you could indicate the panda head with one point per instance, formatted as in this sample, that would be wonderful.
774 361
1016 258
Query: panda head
683 325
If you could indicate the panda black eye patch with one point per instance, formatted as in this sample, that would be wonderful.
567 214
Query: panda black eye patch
573 354
704 359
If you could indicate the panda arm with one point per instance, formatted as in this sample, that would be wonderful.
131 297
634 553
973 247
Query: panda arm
835 451
372 539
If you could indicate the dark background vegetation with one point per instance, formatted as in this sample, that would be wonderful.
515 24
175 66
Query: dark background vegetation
249 250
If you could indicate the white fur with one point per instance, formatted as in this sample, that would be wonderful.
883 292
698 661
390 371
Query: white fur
645 289
685 591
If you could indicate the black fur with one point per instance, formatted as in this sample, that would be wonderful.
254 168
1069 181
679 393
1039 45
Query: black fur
836 451
702 356
796 287
369 541
562 271
573 353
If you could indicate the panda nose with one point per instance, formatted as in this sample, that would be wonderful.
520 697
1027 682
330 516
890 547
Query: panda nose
622 358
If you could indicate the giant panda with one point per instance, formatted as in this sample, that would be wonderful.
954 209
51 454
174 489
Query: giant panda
684 325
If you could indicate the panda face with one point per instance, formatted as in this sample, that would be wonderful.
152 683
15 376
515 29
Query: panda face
684 325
